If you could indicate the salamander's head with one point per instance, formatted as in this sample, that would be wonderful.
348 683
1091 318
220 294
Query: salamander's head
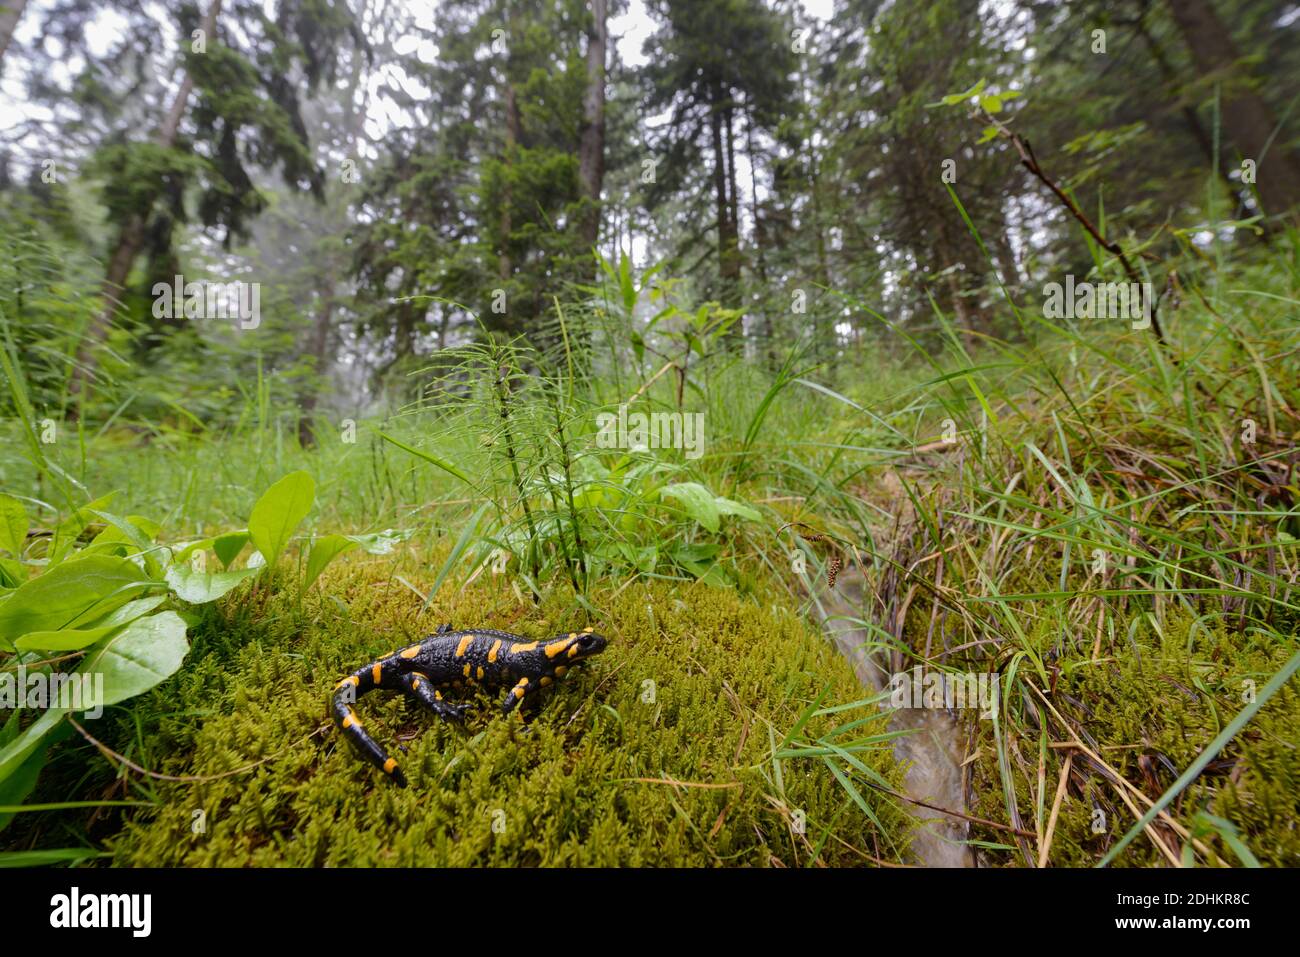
575 646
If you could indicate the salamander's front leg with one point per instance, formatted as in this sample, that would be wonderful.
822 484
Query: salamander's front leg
422 690
523 687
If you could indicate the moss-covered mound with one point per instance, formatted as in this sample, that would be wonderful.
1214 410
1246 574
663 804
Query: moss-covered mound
659 752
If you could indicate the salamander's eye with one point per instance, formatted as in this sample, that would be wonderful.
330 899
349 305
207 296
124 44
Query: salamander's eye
590 642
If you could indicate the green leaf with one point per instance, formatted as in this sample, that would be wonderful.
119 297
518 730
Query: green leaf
462 542
991 103
381 543
13 525
197 588
323 551
17 751
62 855
129 612
134 530
72 593
698 501
990 133
432 459
625 284
142 654
15 788
278 513
229 545
727 506
12 573
66 532
64 639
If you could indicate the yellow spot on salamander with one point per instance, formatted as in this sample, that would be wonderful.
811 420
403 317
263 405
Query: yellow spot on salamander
437 696
520 649
464 646
559 647
390 766
351 721
519 692
467 671
492 652
377 673
560 671
587 631
573 649
480 672
411 652
349 680
544 682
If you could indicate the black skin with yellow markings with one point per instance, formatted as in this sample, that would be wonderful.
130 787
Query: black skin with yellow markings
455 659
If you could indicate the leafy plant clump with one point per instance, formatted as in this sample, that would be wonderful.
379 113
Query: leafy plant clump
98 594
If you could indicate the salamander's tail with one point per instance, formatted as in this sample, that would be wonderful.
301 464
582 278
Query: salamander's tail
345 695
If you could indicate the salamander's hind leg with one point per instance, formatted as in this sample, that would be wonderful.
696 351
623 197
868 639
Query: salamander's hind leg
420 688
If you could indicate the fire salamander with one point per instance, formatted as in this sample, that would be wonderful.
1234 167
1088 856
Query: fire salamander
493 659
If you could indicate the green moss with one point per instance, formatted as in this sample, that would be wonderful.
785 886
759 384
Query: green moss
696 687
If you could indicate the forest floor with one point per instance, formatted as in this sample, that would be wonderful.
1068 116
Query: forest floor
1107 525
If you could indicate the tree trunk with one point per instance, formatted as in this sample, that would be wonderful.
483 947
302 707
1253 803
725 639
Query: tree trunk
11 11
319 343
760 246
591 150
317 348
505 266
728 262
130 238
1246 116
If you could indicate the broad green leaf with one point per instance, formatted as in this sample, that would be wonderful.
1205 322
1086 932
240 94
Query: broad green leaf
727 506
64 639
229 545
699 502
129 612
992 103
71 593
142 654
198 587
279 512
323 551
13 525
